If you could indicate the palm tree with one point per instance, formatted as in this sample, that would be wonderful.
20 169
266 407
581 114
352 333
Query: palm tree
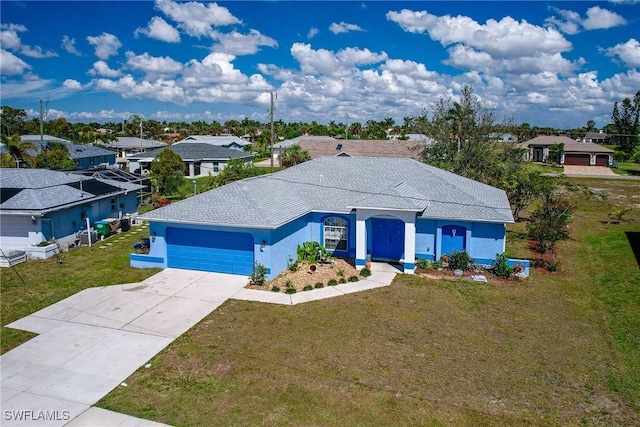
294 155
18 151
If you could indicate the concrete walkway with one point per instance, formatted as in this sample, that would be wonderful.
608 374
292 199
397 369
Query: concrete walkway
89 343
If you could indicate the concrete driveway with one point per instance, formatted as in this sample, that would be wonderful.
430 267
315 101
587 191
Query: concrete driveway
92 341
588 171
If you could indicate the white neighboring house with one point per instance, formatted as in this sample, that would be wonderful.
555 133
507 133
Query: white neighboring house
200 159
125 146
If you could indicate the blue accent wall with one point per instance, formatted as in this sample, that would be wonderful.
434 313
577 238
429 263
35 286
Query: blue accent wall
282 243
487 240
426 239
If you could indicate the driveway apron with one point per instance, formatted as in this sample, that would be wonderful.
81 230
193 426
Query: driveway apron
92 341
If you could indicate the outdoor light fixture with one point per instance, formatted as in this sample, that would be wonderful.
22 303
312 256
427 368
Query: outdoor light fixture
263 245
153 236
194 187
33 219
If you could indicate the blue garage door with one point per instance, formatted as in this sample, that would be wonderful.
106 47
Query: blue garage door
206 250
453 239
388 239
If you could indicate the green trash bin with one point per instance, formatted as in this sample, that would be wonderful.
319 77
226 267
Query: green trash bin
102 228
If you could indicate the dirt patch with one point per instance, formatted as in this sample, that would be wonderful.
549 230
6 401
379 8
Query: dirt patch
308 274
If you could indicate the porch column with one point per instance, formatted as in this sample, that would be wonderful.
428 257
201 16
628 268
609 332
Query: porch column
361 242
409 246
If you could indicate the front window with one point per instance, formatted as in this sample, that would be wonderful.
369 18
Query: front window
216 167
335 234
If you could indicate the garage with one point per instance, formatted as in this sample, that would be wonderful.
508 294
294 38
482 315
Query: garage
602 160
209 250
576 159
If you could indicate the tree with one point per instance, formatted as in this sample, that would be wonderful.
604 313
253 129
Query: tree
13 120
235 170
167 171
523 188
626 119
591 126
550 221
19 153
294 155
556 151
55 155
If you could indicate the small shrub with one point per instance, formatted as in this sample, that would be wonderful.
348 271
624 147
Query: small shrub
290 291
437 265
293 265
307 288
500 268
288 284
341 272
275 289
423 263
319 285
342 280
332 282
365 272
258 275
460 260
354 279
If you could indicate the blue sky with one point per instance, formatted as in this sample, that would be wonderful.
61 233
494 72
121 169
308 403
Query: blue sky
547 63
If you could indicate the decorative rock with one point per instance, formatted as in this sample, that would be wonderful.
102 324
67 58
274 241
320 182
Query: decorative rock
479 278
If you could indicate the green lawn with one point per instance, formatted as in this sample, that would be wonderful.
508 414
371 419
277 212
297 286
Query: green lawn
558 349
627 168
47 281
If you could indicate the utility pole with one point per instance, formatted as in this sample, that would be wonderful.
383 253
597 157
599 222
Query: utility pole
272 132
41 122
346 128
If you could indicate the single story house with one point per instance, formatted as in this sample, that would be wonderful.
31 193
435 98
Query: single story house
84 155
389 209
226 141
199 159
40 205
319 146
575 152
125 146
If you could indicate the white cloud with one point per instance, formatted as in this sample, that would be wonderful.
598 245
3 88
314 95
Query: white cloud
10 40
105 45
344 27
315 61
153 66
128 87
11 65
160 29
357 56
195 18
102 69
571 22
506 38
313 31
628 52
598 18
242 44
72 84
69 45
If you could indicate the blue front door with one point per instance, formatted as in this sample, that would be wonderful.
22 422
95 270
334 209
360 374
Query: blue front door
453 239
387 239
208 250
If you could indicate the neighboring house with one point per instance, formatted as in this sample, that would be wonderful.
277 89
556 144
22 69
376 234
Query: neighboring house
502 137
596 137
199 159
125 146
390 209
39 205
226 141
575 153
84 155
327 146
120 175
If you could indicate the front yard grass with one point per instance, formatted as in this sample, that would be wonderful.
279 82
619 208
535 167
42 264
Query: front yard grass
557 349
47 281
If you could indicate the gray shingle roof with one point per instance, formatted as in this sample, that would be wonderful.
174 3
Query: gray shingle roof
220 141
76 151
195 151
340 184
135 143
44 190
570 145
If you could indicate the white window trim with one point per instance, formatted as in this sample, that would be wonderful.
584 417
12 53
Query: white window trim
336 233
